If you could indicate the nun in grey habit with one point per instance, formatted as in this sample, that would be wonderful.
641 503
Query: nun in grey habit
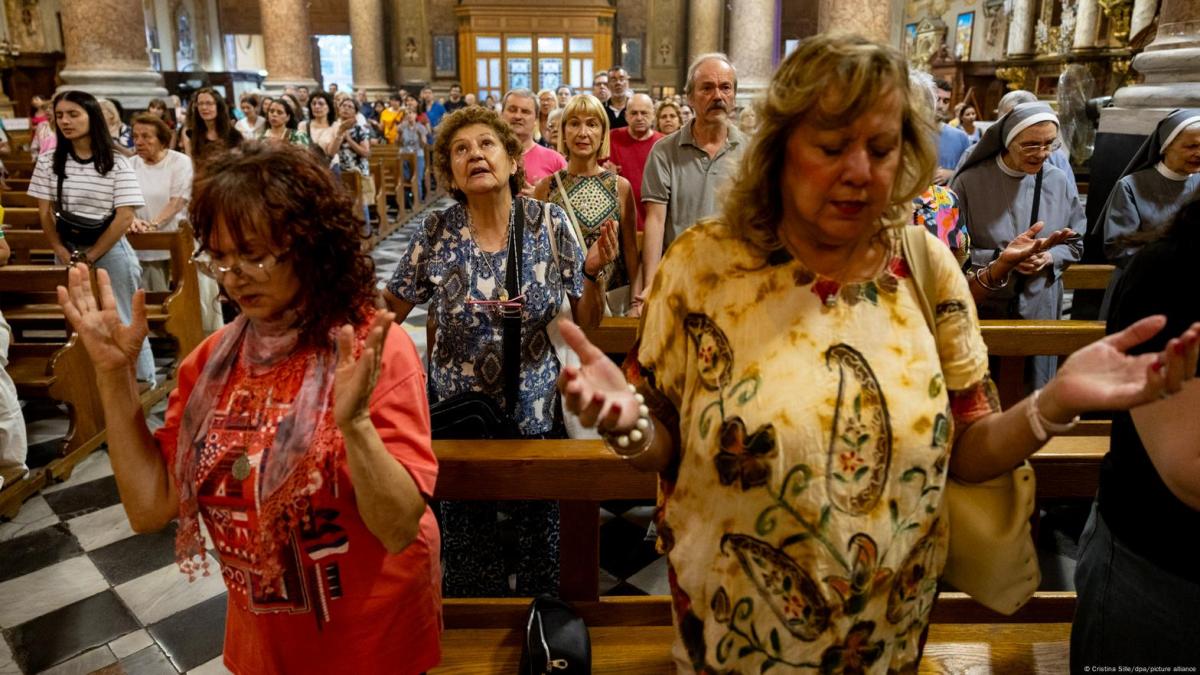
1155 185
1001 194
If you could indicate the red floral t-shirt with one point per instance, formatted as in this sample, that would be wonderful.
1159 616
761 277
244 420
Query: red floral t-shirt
343 603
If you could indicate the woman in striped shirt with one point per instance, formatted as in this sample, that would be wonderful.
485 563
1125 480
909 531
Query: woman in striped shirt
95 184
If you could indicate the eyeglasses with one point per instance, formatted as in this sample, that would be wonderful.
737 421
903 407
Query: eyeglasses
259 271
1034 148
507 308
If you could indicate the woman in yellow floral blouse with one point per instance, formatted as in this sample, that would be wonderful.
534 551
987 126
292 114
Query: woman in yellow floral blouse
801 414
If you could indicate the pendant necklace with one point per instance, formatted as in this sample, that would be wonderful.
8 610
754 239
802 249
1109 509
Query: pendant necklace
241 466
487 257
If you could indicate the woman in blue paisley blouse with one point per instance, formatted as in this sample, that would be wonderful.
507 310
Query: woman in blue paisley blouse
801 411
457 262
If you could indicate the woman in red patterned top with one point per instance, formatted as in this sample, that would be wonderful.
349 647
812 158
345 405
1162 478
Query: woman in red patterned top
300 431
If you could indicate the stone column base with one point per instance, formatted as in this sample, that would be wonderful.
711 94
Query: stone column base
375 90
273 85
132 88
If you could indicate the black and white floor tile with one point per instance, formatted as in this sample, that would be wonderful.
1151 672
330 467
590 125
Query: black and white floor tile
81 593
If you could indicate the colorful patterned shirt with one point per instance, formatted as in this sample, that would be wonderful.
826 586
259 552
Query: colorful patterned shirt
803 517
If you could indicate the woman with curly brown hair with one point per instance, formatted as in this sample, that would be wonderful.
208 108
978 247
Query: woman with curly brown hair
805 409
492 263
300 432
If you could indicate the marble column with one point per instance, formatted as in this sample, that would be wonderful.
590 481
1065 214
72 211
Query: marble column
1170 65
287 43
753 43
868 18
1142 17
1087 25
106 52
1020 28
366 35
704 27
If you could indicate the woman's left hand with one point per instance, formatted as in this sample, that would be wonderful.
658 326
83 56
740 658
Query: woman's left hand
355 378
604 250
1103 376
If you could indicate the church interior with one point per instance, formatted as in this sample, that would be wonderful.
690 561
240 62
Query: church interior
85 591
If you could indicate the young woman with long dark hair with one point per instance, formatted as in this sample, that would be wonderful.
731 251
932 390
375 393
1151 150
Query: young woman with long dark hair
209 126
83 178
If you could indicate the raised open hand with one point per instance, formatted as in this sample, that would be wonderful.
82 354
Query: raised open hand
1103 376
596 390
354 378
1027 244
112 345
604 250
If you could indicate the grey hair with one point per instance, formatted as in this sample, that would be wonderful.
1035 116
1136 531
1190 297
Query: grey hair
522 93
923 85
1013 99
701 60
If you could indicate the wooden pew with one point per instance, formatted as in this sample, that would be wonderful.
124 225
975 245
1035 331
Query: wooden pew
582 473
951 648
17 198
1087 277
175 312
56 371
22 218
634 634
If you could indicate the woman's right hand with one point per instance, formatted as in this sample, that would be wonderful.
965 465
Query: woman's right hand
596 391
1027 245
112 345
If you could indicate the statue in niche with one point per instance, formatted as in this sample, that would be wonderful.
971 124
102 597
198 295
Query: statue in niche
410 50
664 52
186 53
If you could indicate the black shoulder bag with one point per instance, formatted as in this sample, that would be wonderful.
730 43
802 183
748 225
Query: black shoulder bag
556 640
476 415
78 231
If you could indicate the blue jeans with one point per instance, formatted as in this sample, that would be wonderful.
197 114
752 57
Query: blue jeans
420 170
125 273
1129 611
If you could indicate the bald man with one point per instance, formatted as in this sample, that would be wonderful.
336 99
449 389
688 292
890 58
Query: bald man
631 146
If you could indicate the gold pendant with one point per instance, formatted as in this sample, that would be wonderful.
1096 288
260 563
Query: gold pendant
241 467
503 295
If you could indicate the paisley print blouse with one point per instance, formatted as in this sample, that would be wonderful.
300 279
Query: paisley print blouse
443 264
803 520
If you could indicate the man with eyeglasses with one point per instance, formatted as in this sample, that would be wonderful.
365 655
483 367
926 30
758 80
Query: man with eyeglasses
618 82
952 142
600 87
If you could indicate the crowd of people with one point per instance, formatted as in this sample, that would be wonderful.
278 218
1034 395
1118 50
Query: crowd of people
802 416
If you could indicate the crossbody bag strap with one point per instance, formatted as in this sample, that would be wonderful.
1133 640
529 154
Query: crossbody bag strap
58 201
512 324
1037 197
562 192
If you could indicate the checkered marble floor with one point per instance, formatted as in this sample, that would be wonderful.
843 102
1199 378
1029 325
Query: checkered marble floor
82 593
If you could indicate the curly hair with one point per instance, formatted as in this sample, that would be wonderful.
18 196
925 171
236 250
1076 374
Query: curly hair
461 119
860 73
291 198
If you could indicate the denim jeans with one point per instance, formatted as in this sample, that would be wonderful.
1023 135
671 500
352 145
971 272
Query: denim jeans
1129 611
125 273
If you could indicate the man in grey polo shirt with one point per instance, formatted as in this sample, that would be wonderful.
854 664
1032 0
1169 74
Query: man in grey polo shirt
686 170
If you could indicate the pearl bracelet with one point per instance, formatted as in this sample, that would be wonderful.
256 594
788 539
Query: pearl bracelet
640 438
1042 427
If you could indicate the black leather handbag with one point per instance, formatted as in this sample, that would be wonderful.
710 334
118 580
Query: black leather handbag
78 231
556 640
475 415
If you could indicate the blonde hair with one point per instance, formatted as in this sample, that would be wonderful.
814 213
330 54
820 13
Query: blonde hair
583 105
858 73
